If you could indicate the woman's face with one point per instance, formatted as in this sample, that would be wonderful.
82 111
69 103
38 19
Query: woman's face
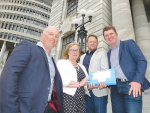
73 52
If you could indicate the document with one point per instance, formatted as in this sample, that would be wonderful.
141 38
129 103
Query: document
106 76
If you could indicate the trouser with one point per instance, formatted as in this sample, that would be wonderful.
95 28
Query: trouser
122 102
96 104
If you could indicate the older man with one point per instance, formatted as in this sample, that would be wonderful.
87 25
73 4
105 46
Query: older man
30 81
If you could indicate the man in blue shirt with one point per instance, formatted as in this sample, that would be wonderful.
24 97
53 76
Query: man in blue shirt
130 67
95 60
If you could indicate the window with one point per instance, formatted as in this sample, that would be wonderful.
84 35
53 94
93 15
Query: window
24 10
17 9
9 37
6 26
67 40
25 30
25 19
10 16
14 26
2 25
17 28
14 18
21 18
28 20
10 27
31 21
30 12
27 11
21 29
5 36
17 17
14 38
39 34
72 7
28 31
1 34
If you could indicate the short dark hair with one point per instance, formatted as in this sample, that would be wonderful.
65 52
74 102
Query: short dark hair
109 28
92 36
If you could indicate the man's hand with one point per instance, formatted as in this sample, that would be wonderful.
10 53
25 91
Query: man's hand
92 86
102 85
136 88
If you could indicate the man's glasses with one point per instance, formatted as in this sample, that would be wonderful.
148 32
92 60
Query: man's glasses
72 50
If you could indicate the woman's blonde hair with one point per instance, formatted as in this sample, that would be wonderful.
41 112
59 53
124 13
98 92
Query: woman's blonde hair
65 54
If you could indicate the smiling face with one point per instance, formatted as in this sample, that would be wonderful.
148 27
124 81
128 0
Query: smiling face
92 43
73 53
50 37
111 37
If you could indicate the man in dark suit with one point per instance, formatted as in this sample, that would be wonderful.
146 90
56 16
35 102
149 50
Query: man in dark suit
30 81
130 67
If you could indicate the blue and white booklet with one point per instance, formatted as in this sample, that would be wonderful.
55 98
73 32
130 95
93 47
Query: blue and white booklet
107 76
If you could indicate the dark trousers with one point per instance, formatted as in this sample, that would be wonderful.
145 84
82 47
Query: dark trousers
48 109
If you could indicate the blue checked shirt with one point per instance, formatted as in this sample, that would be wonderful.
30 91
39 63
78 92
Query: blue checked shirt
51 68
114 60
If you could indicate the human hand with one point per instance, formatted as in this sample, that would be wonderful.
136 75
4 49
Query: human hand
84 81
136 88
102 85
92 86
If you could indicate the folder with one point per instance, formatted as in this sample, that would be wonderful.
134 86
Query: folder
107 76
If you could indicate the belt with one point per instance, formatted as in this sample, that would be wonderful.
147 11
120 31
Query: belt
121 80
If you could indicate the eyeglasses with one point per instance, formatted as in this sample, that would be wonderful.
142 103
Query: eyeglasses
72 50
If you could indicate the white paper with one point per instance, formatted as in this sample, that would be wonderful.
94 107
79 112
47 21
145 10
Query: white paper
102 75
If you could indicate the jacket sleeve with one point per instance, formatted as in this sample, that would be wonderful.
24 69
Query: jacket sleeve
10 76
141 63
61 65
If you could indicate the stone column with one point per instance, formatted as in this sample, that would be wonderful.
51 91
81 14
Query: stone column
122 19
142 31
2 51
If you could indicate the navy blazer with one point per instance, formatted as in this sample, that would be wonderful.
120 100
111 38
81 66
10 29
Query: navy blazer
132 63
25 81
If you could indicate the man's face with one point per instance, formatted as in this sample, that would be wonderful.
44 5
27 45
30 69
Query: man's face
111 37
92 43
50 37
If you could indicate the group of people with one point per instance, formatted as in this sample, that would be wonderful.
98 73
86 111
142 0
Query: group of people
31 82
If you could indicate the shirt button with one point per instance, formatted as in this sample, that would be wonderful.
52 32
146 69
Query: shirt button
48 88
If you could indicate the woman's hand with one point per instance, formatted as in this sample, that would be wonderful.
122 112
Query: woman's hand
92 86
84 81
102 85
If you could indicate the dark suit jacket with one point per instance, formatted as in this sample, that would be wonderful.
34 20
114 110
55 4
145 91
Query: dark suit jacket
25 81
132 63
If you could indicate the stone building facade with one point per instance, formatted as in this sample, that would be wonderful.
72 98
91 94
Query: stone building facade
131 18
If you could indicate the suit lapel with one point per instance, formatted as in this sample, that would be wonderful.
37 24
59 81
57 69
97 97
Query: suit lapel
109 58
45 57
120 49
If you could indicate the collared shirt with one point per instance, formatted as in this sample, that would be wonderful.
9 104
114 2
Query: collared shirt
87 58
51 68
114 60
